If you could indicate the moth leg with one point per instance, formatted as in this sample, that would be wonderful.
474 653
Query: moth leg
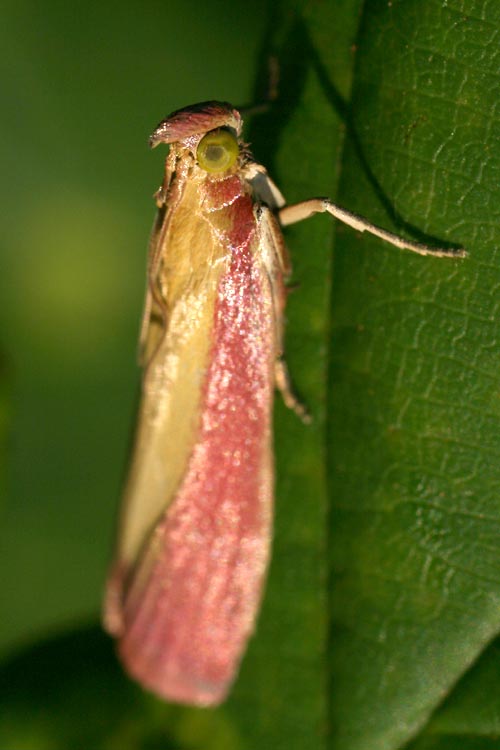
300 211
277 264
283 384
271 94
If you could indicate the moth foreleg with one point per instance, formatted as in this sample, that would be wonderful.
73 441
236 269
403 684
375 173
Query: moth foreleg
305 209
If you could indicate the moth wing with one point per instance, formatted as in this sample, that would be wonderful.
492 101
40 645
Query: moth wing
175 345
192 598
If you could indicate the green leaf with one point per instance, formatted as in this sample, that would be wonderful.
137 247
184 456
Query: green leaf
414 409
379 625
469 717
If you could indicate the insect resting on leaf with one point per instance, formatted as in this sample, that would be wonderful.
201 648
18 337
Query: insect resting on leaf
196 523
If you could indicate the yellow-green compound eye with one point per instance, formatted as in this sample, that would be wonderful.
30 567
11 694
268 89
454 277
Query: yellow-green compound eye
217 151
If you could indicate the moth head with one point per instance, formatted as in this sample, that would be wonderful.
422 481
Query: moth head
195 121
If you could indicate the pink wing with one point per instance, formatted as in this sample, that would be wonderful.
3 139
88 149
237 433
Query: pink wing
191 602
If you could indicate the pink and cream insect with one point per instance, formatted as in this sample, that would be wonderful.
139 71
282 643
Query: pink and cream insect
196 525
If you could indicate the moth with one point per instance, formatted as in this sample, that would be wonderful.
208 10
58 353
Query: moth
196 522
